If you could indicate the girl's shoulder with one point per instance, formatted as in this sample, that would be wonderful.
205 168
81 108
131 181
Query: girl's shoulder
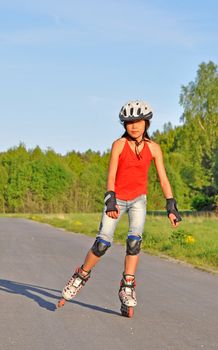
154 148
118 145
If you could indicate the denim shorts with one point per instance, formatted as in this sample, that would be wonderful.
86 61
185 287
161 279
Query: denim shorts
136 210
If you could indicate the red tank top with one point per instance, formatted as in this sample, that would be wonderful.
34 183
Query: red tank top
132 172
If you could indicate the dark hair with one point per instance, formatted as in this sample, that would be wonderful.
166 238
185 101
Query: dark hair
145 134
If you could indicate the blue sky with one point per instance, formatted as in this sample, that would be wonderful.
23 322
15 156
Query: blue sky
66 67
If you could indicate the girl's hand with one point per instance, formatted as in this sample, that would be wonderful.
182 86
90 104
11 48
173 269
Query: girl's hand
173 220
114 214
172 212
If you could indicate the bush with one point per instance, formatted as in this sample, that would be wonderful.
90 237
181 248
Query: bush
202 202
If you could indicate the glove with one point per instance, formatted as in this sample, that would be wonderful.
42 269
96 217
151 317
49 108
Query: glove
110 201
171 207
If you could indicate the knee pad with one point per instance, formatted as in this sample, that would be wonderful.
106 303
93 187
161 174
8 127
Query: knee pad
100 246
133 244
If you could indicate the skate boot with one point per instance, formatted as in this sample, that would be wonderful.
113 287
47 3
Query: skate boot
77 281
127 295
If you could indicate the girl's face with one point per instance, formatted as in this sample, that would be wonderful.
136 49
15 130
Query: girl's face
135 128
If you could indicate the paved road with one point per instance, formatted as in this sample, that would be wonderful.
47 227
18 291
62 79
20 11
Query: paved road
178 305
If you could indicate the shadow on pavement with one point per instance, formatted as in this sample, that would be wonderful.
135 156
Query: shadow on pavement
94 307
37 293
29 290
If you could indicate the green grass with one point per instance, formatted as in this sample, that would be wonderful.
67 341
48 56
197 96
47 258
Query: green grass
195 241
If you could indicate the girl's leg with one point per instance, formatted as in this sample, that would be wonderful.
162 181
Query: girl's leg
136 214
101 244
130 264
127 293
105 235
90 261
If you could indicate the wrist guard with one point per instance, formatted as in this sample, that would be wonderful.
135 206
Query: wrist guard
110 201
171 207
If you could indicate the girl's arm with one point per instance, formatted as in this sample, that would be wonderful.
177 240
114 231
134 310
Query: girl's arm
159 164
164 182
113 164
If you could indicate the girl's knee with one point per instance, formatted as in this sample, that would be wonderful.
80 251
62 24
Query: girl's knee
100 247
133 245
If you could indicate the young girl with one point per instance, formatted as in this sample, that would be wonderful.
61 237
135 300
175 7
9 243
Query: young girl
131 156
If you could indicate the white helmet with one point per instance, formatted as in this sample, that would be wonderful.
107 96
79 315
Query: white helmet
135 110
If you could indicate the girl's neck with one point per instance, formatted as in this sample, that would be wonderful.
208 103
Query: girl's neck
136 140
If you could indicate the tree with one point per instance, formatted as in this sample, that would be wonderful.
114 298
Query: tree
200 102
3 187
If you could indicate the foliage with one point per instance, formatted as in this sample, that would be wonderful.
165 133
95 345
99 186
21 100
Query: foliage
181 237
191 150
200 102
44 181
202 202
37 181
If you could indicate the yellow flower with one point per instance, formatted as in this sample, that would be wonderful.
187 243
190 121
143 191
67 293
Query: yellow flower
190 239
77 223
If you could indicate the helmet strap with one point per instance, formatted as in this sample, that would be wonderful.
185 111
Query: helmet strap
137 144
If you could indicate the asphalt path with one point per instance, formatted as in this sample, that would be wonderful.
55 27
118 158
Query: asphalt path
177 304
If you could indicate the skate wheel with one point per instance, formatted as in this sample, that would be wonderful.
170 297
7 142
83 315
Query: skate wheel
130 311
61 303
127 311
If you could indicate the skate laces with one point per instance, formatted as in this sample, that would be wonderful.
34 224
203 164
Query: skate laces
78 278
128 284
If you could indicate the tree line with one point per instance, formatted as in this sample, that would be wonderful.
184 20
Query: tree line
45 181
